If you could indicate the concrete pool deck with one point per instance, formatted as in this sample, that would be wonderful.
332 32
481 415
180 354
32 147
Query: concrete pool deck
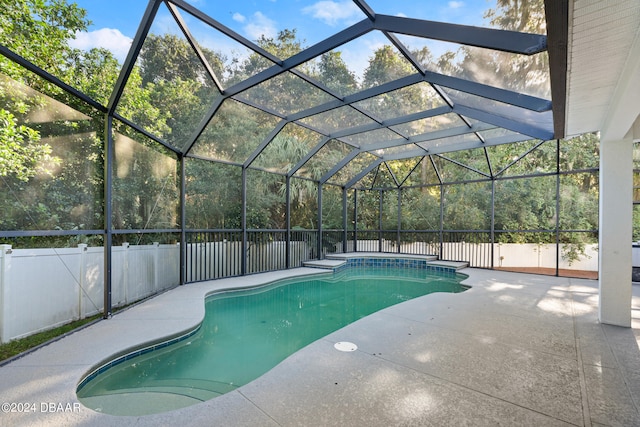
515 349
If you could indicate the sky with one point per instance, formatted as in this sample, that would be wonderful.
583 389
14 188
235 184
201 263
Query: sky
114 23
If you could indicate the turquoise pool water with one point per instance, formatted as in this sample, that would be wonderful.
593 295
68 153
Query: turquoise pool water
246 333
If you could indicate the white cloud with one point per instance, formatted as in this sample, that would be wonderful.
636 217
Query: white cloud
260 25
332 12
358 53
456 4
238 17
108 38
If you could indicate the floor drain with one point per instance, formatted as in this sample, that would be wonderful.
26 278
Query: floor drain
345 346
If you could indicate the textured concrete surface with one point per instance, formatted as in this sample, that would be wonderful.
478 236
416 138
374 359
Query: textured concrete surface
516 349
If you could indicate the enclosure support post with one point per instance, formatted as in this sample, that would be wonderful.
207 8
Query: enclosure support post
380 196
108 210
355 220
344 220
441 220
183 221
616 212
398 235
243 221
287 249
492 232
557 207
319 240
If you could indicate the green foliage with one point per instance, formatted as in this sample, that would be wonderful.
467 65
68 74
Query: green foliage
337 75
332 207
421 208
525 204
169 57
636 223
20 154
266 204
386 65
94 73
467 207
581 152
284 45
518 15
145 184
214 195
39 31
61 164
515 72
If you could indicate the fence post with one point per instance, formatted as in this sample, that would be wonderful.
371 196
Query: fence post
156 265
81 278
5 269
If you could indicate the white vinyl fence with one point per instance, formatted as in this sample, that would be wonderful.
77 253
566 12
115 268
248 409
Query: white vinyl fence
504 255
44 288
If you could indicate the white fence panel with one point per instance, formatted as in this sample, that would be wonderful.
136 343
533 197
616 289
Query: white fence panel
141 272
421 248
42 291
119 274
92 284
368 245
167 266
43 288
535 255
299 251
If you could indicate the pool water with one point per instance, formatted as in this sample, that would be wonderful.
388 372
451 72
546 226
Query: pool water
246 333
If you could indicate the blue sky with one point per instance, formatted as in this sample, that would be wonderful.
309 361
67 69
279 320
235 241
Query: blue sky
115 22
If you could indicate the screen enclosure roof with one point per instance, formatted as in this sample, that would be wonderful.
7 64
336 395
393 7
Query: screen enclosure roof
429 88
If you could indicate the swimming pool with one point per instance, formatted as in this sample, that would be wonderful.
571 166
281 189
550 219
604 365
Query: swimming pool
246 333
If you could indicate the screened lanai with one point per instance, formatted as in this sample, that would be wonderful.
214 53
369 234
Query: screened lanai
204 153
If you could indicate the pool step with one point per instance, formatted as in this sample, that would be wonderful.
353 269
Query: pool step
456 265
335 261
328 264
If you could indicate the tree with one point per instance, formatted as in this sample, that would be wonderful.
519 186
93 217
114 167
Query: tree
56 148
284 45
386 65
214 195
20 153
168 57
38 31
516 72
518 15
94 73
335 74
